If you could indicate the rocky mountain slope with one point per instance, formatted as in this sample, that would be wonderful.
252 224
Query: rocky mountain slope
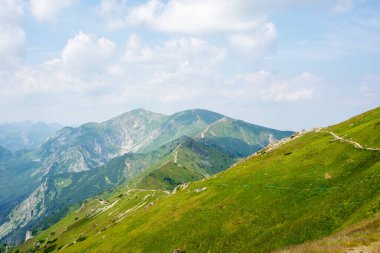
77 163
311 185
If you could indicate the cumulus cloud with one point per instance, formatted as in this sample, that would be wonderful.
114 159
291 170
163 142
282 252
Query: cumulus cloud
202 16
44 10
177 61
84 54
183 16
297 88
257 43
269 87
12 44
10 11
183 71
81 70
173 51
12 36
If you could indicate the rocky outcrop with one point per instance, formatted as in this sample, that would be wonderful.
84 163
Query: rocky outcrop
30 209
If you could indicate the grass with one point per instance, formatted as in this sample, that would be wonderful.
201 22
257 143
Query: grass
363 236
168 176
188 160
268 202
363 127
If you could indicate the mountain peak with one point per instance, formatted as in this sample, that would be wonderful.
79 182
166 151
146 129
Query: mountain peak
139 112
198 114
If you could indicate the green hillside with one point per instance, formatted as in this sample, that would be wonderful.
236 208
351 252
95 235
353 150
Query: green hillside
364 236
174 163
189 161
313 185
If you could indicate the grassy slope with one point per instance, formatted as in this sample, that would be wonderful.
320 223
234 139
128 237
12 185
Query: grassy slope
189 160
360 237
304 190
363 128
168 176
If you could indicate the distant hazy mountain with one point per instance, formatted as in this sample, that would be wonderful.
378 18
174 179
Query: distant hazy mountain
150 148
25 135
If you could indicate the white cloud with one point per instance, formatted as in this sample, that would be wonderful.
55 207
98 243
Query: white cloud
45 10
269 87
202 16
175 70
10 11
257 43
172 55
136 52
295 89
86 55
183 16
12 36
177 61
12 44
178 70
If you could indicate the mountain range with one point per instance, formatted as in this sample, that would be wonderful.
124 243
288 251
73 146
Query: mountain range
314 191
40 186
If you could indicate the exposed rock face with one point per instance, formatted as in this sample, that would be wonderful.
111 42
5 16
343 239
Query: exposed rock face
31 208
28 235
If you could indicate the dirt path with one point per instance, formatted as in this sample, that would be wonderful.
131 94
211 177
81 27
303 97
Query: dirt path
355 144
146 190
208 127
175 153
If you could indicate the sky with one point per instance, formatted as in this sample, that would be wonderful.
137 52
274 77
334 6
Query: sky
289 64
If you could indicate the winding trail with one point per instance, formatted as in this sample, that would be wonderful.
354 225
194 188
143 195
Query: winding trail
212 124
175 153
146 190
354 143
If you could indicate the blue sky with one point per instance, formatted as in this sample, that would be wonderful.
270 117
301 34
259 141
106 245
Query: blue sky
287 64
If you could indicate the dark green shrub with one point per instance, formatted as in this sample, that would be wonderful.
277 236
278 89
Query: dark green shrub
51 241
81 238
50 248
